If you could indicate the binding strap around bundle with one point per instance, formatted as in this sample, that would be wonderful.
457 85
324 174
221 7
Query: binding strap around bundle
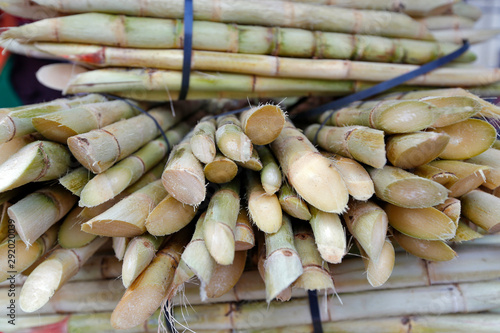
188 47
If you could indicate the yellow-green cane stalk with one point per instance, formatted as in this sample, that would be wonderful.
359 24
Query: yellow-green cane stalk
221 169
169 216
435 174
35 162
25 255
465 232
405 189
45 206
379 271
422 223
262 124
452 208
270 175
360 143
368 223
292 203
408 151
490 158
433 250
231 140
11 147
454 109
127 218
75 180
474 36
467 10
244 236
440 22
264 210
309 173
482 209
120 246
140 251
27 9
254 163
54 272
224 277
100 149
203 140
70 233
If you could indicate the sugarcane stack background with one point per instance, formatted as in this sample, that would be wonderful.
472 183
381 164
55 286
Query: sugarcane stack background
215 213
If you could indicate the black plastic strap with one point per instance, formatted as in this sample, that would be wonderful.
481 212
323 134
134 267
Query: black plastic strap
314 308
188 47
168 318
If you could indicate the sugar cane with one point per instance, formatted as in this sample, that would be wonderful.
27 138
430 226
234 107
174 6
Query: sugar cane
224 277
440 22
221 170
100 149
454 109
55 271
270 175
117 178
70 234
25 255
127 218
231 140
244 237
367 222
150 288
422 223
46 206
491 158
470 176
59 126
18 122
75 180
316 275
183 176
465 232
436 174
310 174
35 162
9 148
407 151
169 216
4 221
405 189
120 246
360 143
474 36
452 208
379 270
140 252
481 209
282 266
203 140
468 138
263 123
278 14
254 163
27 9
220 222
359 184
292 203
264 210
434 250
467 10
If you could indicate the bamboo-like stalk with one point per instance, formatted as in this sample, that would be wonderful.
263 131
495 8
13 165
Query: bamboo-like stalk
17 122
231 140
150 288
490 158
220 222
468 138
379 271
454 109
440 22
270 175
127 218
75 180
169 216
100 149
203 140
9 148
25 255
422 223
368 223
35 162
264 210
45 206
244 237
59 126
316 273
224 277
27 9
277 13
433 250
465 232
254 163
360 143
408 151
183 176
140 252
359 184
470 176
110 183
452 208
436 174
292 203
70 234
263 123
474 36
221 170
405 189
282 266
482 209
467 10
120 246
99 268
310 174
55 271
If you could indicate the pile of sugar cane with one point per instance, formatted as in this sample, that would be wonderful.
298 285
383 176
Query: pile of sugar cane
210 204
248 48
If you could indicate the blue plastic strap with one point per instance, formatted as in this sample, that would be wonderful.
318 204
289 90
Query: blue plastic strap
314 308
188 47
